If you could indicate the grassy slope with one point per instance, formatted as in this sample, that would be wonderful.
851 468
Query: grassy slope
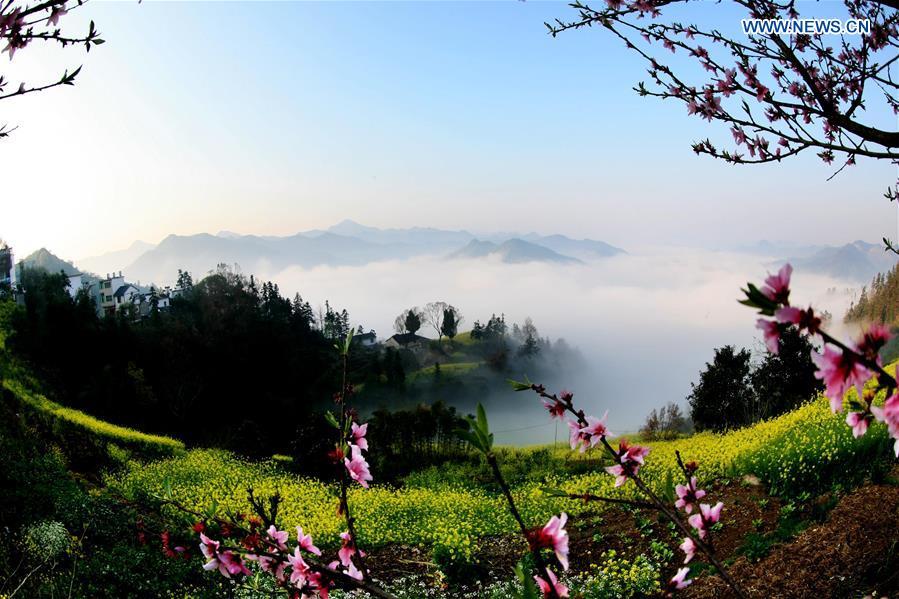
64 423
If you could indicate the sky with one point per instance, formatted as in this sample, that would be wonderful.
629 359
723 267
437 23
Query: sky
276 117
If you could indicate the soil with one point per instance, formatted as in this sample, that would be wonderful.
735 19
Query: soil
854 552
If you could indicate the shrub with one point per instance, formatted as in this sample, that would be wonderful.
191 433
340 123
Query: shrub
46 541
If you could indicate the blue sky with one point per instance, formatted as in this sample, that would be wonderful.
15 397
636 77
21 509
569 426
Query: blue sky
276 117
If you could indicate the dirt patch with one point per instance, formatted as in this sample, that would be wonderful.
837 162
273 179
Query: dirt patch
851 553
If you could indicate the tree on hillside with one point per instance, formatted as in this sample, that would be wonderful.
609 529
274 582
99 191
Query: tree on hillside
720 400
409 321
432 314
784 381
452 319
666 423
530 345
185 281
878 303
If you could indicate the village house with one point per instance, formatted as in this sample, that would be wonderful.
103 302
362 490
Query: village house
409 341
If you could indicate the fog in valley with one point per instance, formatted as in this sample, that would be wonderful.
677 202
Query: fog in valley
645 322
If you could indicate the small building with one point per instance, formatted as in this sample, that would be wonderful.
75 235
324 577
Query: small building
144 302
106 290
76 282
125 295
7 266
409 341
365 339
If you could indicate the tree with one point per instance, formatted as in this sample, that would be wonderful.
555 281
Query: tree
452 319
185 281
784 381
433 315
779 95
408 322
722 398
413 321
530 345
22 23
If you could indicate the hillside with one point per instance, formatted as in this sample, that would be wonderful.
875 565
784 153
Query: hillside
46 260
446 510
879 301
445 520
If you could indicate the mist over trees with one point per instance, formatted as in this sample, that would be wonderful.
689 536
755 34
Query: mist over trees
667 423
878 303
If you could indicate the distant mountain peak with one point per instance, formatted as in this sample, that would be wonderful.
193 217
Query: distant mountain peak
858 261
47 260
512 251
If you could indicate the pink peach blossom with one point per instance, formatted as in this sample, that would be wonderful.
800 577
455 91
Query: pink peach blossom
680 581
554 536
689 549
305 542
359 435
595 430
840 371
859 423
357 467
553 583
771 334
777 287
687 495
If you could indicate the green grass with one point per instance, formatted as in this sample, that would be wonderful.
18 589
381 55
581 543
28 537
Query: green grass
67 423
449 369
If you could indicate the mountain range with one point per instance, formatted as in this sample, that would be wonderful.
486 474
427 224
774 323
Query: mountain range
352 244
858 261
347 243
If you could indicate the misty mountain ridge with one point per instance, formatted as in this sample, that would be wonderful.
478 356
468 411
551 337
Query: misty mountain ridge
858 261
347 243
116 260
512 251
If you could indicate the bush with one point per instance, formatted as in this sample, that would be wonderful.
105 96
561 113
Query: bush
46 541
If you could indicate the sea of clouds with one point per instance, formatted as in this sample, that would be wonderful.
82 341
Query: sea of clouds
645 322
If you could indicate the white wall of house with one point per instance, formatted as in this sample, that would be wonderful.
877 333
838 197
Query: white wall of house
75 282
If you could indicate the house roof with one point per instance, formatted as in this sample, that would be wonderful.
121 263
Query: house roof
364 336
120 292
407 338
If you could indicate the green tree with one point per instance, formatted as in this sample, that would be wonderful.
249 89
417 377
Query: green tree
723 397
185 281
452 318
784 381
409 321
